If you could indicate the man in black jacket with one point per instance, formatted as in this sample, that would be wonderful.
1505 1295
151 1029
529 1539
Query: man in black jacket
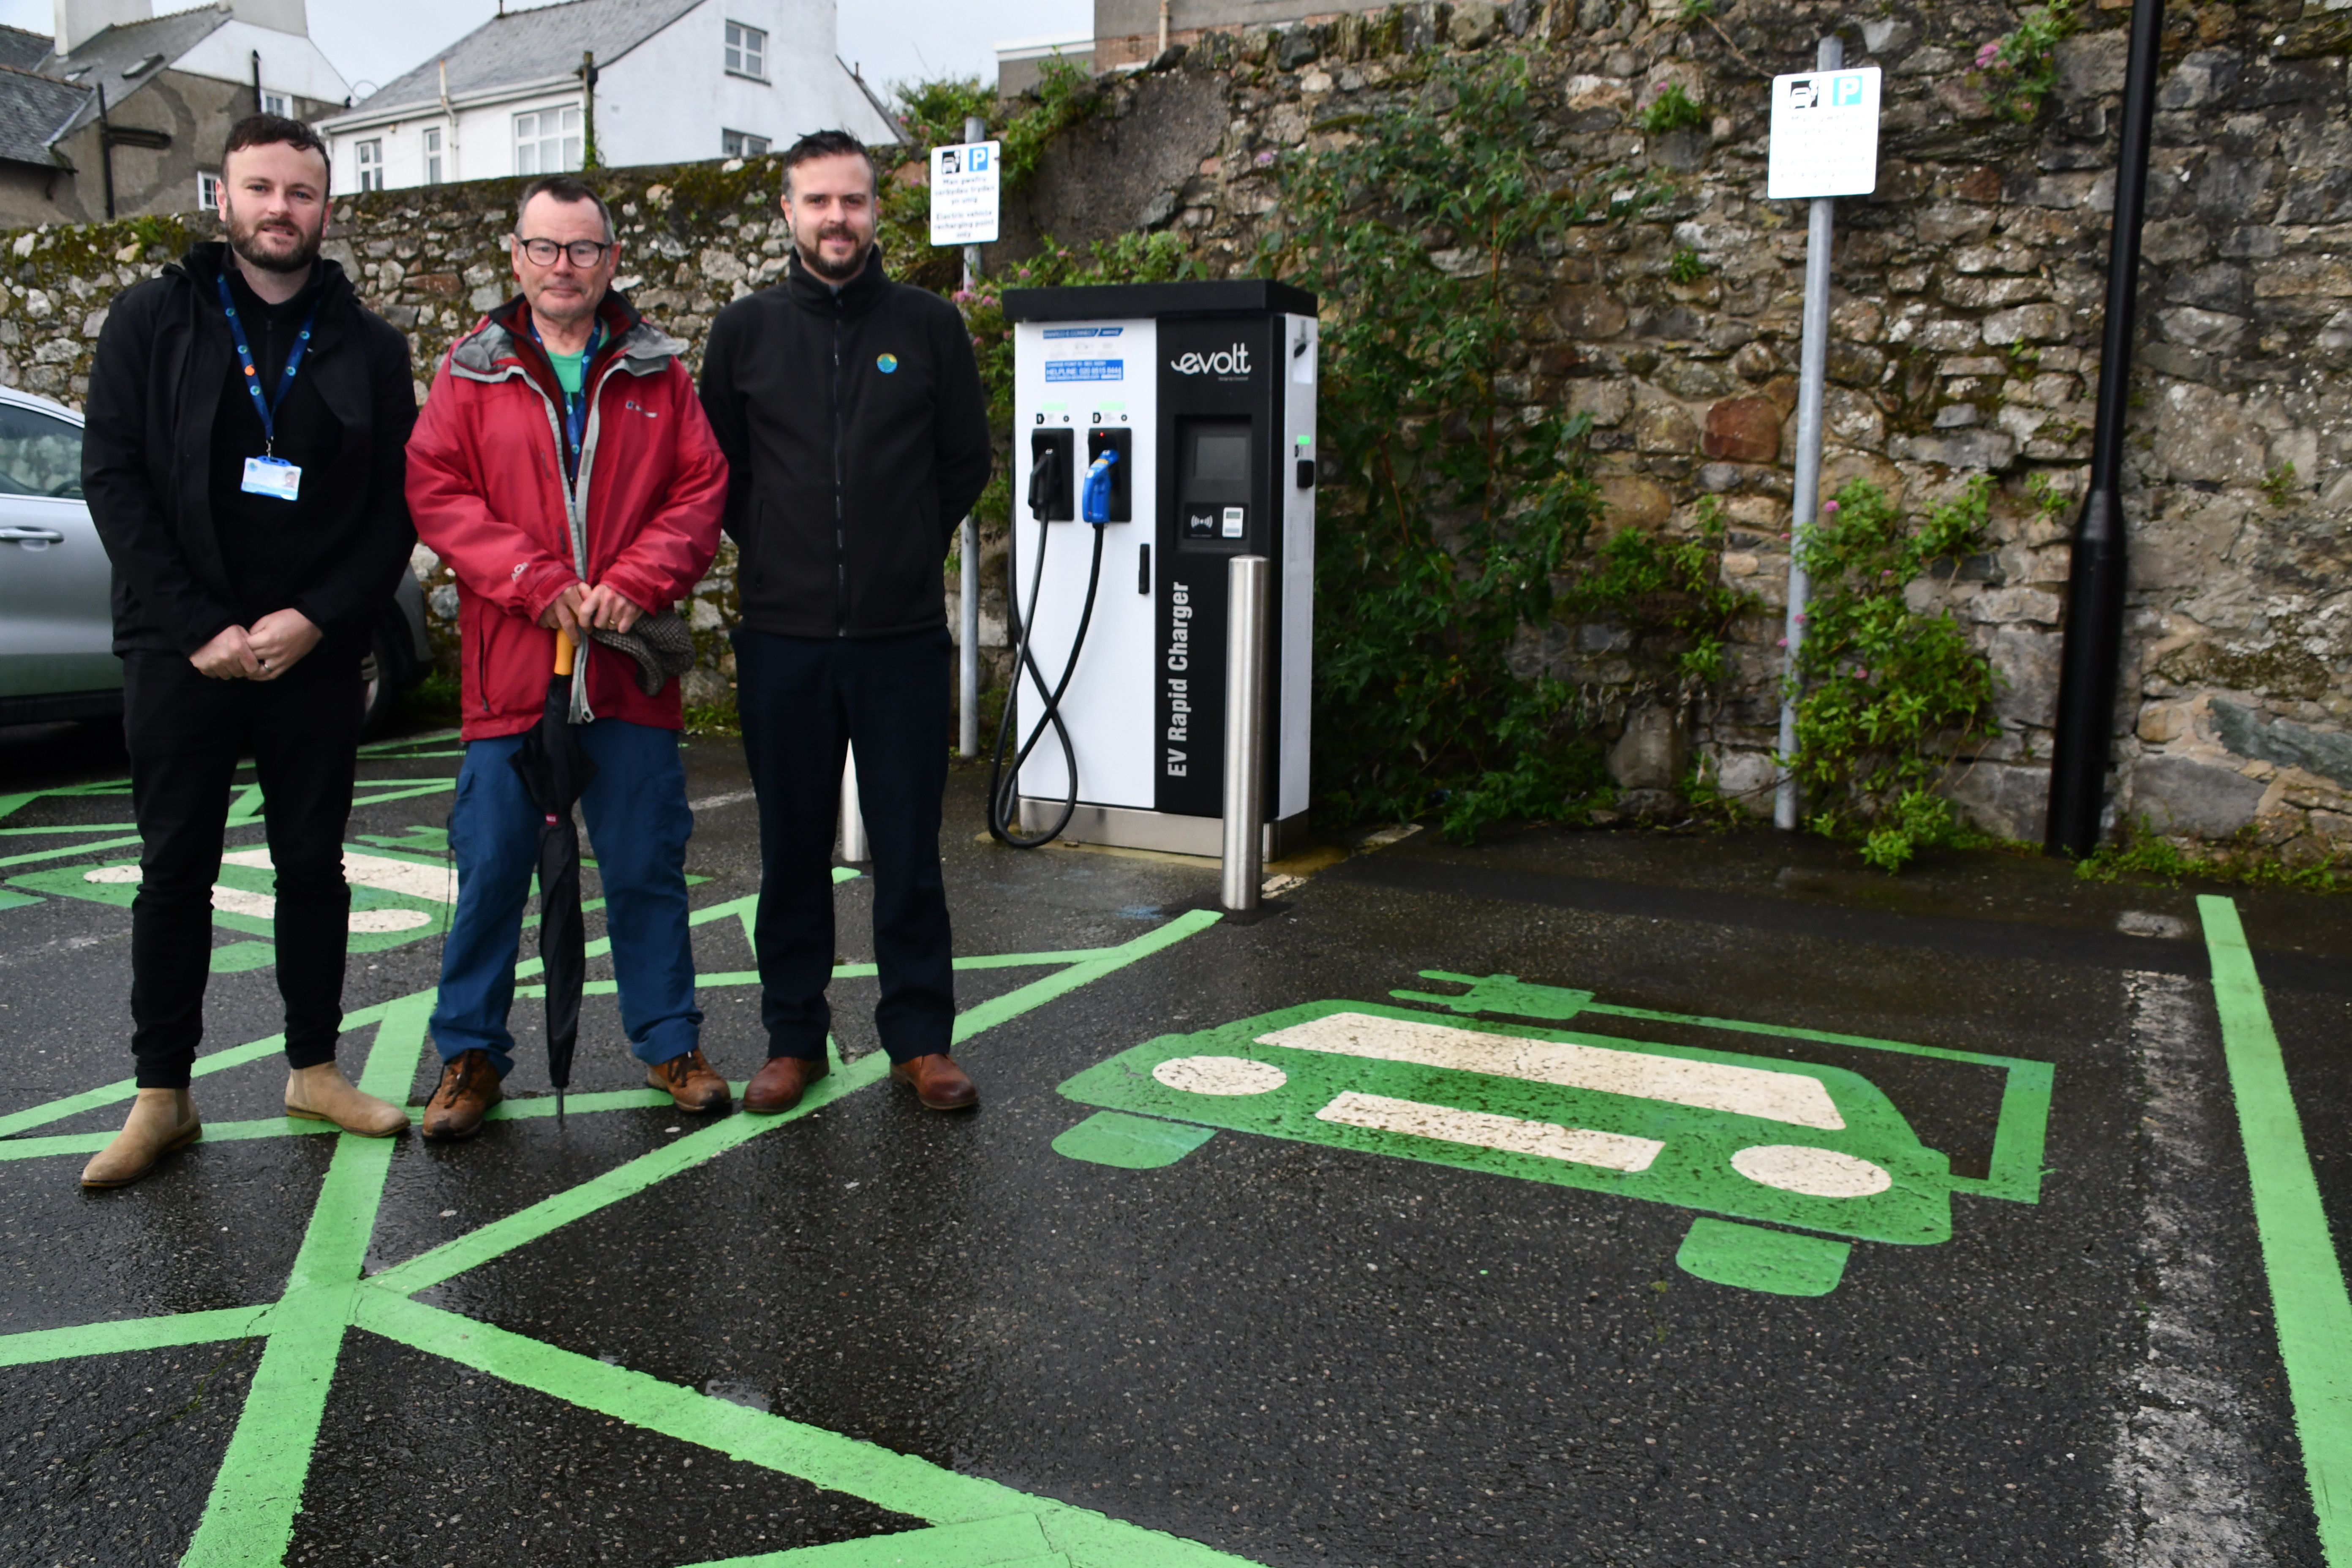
855 431
242 459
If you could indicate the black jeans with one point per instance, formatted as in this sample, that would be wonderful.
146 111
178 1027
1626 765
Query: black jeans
803 700
187 733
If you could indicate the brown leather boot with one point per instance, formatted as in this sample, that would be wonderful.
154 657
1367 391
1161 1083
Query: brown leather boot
469 1087
160 1120
938 1082
778 1087
691 1082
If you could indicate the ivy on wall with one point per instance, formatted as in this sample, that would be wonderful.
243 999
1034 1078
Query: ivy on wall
1890 696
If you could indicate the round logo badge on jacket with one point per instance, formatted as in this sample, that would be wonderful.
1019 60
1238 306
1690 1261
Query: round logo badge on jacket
885 363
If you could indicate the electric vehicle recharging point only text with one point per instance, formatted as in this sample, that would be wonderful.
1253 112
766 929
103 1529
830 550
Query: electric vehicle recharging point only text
1175 423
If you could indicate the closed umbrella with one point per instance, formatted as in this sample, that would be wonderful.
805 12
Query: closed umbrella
555 771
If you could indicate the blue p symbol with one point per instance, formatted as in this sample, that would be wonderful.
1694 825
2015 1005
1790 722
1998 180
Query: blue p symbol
1848 90
980 155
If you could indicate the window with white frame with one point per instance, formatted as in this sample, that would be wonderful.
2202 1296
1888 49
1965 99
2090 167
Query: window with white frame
747 50
273 103
207 190
742 144
432 157
547 140
369 155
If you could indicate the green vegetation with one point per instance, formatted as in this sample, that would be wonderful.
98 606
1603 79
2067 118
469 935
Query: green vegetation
1454 517
2278 485
2142 851
1685 266
717 719
1889 697
2016 71
1671 109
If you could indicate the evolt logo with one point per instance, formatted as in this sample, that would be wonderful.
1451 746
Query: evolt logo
1231 361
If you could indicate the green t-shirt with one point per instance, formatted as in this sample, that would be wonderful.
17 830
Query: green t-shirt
568 370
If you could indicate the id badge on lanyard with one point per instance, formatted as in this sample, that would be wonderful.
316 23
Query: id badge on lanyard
268 474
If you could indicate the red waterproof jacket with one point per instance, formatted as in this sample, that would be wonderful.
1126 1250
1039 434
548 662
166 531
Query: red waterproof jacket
487 488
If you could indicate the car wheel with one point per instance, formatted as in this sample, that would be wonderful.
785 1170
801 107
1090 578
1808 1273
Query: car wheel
378 684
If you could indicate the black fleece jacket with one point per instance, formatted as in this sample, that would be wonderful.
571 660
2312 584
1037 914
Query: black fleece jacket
856 437
160 381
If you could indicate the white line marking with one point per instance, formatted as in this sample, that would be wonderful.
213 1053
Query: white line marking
237 901
381 871
1816 1172
713 801
1220 1075
1484 1130
1789 1097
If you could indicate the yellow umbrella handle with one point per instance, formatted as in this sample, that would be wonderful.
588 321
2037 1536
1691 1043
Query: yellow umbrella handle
562 653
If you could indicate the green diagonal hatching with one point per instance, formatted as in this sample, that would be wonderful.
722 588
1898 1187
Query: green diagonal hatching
248 1517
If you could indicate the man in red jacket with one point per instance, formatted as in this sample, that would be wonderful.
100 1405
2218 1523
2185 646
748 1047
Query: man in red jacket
564 470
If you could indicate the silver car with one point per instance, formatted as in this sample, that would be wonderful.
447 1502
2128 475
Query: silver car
56 616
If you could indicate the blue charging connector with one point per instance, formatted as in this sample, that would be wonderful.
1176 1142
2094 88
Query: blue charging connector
1094 505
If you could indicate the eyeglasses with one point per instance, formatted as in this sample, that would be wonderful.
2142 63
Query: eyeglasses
584 253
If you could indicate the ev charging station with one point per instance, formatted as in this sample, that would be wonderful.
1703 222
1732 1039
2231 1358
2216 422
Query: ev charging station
1182 415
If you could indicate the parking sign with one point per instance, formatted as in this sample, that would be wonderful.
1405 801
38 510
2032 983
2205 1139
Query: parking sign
964 194
1824 135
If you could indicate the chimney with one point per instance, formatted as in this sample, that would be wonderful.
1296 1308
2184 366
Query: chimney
79 21
283 16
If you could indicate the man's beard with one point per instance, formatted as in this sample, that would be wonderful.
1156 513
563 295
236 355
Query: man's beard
814 257
243 237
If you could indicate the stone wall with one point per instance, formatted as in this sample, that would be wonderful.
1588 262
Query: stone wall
431 260
1969 293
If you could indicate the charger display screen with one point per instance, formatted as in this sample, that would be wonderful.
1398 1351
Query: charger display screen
1218 457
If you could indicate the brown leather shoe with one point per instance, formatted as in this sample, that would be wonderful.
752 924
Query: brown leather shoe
779 1085
938 1082
691 1082
469 1087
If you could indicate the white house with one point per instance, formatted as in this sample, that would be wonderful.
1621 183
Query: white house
673 81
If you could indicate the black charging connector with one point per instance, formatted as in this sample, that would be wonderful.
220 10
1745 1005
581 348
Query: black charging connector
1053 489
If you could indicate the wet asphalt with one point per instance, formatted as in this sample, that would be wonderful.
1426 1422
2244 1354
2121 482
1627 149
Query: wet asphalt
1292 1352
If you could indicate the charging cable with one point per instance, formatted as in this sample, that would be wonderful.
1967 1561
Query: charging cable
1003 784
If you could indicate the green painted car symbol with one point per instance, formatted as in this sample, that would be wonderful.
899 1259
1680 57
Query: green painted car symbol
1798 1147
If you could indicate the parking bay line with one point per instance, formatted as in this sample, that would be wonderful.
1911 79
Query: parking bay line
2308 1300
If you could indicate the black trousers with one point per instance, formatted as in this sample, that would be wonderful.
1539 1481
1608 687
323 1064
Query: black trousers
803 700
187 733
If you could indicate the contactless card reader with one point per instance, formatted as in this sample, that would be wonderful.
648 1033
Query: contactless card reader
1201 396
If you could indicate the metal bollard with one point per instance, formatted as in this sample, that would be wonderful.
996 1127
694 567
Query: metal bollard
968 646
854 848
1247 578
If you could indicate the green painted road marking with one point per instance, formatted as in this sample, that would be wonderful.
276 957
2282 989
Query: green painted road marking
134 1334
2308 1298
1777 1262
476 1248
215 1132
1016 1540
1128 1142
2014 1172
249 1515
1755 1138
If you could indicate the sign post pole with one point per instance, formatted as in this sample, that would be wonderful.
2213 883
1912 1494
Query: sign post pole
1825 145
967 600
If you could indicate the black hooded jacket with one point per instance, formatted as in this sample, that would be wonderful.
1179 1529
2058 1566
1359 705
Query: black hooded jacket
159 385
856 437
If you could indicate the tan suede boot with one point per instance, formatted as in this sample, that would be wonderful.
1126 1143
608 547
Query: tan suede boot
323 1094
160 1120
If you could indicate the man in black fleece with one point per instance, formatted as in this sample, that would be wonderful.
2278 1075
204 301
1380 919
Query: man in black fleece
855 431
242 459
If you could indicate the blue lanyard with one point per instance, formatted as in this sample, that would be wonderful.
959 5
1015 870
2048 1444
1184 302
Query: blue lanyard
265 407
575 403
